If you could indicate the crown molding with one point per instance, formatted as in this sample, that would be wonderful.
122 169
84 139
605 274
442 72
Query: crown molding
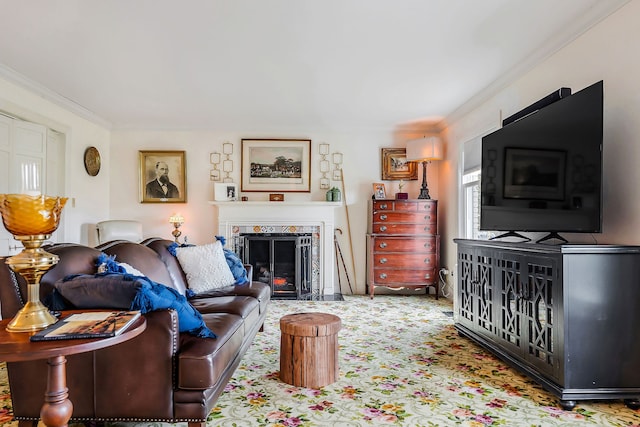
598 13
18 79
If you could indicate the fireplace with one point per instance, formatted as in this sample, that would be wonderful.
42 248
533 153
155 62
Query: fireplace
314 218
282 260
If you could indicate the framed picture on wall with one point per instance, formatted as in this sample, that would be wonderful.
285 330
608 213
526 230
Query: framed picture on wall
276 165
395 165
163 177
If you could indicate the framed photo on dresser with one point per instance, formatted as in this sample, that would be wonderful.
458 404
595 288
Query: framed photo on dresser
379 191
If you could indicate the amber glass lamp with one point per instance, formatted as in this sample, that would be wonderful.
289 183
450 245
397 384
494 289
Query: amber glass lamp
31 220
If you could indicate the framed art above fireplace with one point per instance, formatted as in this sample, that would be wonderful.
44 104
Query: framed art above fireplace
276 165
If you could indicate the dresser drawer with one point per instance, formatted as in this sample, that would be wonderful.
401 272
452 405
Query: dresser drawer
404 244
427 206
405 207
382 276
404 217
383 205
403 260
384 228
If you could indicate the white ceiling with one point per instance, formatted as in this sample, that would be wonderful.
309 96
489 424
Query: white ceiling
268 64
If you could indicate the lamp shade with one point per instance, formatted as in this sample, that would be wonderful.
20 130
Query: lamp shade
176 218
427 148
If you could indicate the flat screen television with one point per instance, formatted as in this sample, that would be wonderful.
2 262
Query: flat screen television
543 172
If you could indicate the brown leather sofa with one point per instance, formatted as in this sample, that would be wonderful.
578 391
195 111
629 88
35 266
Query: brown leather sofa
161 375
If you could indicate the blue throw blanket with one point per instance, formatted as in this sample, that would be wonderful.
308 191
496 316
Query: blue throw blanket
118 284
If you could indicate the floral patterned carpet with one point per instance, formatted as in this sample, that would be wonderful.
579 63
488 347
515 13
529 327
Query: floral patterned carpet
401 363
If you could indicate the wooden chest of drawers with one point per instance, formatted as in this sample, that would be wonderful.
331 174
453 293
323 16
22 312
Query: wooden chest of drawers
403 246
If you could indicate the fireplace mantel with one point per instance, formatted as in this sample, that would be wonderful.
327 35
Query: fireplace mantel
312 204
287 216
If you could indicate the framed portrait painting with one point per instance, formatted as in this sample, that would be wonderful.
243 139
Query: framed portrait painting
163 177
395 165
276 165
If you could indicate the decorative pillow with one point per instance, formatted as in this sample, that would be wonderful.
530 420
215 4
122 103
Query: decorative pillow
205 266
99 291
235 264
126 292
108 264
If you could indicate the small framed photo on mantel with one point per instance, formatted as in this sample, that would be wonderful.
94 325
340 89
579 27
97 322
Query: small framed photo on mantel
225 192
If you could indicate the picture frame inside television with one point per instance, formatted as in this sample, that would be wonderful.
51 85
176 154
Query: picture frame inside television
534 174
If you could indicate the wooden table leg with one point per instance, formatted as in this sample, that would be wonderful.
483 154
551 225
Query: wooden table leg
57 408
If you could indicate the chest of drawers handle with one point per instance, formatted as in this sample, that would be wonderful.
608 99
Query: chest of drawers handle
427 276
427 260
383 245
383 260
383 276
383 206
427 217
383 228
383 217
427 245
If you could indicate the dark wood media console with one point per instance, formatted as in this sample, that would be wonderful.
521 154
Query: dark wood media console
568 316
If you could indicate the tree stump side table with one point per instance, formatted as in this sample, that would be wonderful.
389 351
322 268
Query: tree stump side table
309 349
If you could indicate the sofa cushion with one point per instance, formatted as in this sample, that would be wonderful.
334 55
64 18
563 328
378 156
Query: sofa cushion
257 290
244 306
205 266
201 363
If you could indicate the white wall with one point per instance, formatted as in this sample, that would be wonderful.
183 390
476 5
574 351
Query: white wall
606 52
89 196
361 166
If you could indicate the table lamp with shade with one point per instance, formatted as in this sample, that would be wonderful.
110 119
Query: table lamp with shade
177 220
424 150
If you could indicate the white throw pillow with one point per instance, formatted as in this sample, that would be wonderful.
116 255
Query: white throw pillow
131 269
205 267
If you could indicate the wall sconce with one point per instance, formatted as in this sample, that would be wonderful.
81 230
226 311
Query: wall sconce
227 163
424 150
177 220
215 159
337 166
323 150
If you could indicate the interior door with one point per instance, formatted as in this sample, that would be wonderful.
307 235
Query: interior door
23 152
5 162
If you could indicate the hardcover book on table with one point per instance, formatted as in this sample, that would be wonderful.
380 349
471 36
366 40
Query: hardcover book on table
98 324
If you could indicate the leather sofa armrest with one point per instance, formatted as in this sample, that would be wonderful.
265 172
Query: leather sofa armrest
143 366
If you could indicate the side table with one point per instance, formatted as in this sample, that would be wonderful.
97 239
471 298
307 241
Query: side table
16 347
309 349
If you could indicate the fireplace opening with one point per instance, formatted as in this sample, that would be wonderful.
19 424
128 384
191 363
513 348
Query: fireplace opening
282 260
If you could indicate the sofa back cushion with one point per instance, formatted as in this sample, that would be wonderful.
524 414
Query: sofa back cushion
142 258
160 247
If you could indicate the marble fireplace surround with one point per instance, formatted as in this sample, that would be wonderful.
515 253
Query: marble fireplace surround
317 218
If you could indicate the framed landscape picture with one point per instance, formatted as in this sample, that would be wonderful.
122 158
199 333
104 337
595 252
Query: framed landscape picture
163 177
395 165
276 165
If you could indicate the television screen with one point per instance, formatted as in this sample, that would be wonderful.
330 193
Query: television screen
543 172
